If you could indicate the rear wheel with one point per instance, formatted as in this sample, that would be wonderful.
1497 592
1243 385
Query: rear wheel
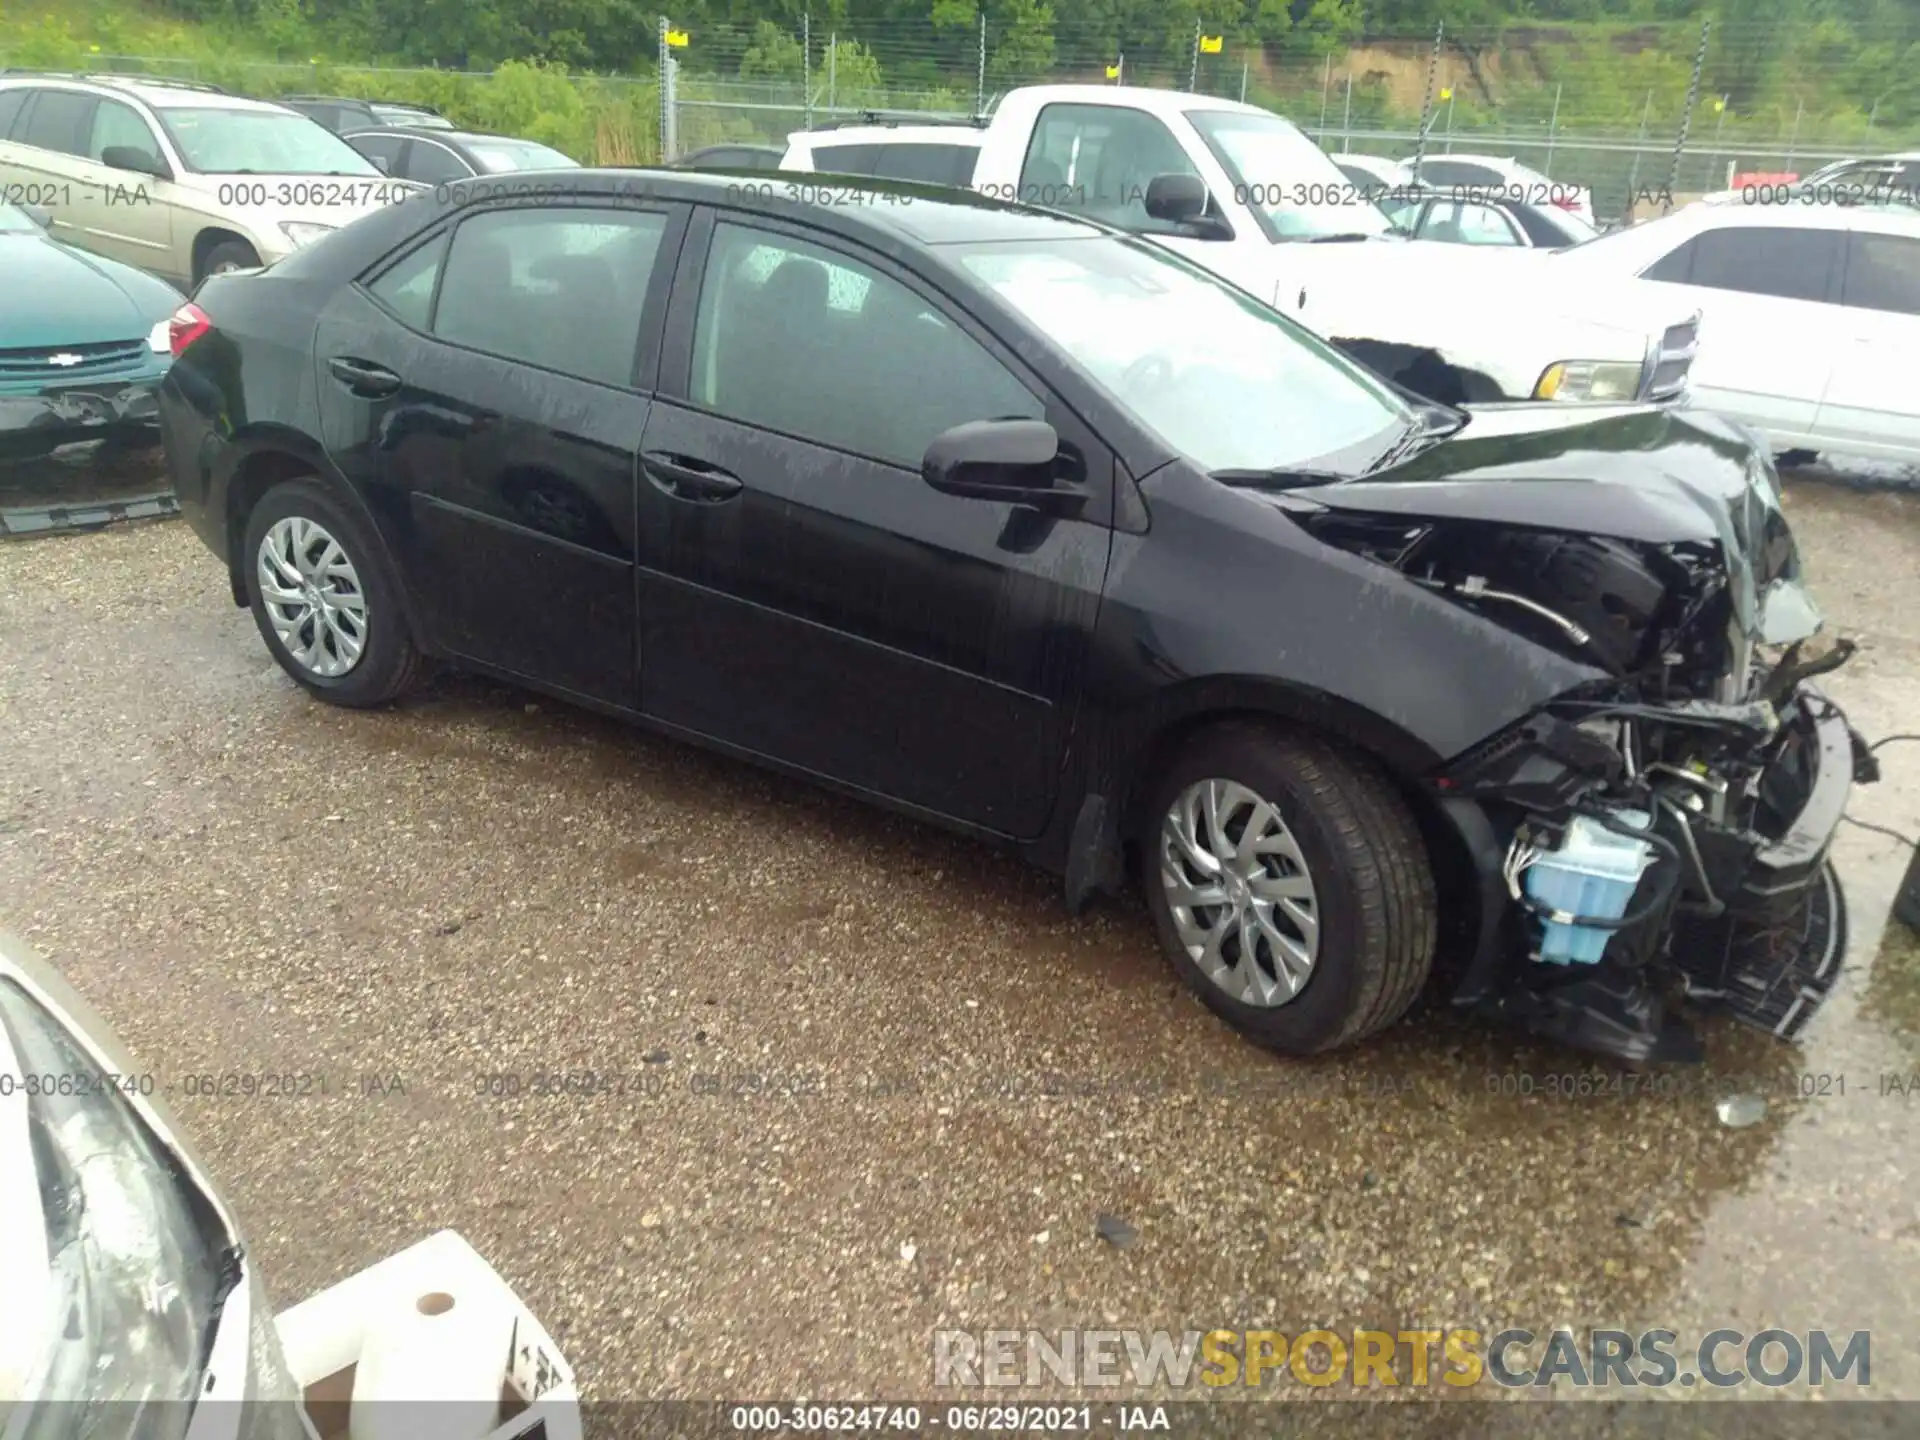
228 255
1290 887
324 599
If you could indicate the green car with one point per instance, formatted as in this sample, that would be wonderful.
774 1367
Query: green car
83 342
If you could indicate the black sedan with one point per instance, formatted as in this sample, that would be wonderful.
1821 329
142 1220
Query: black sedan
1027 527
437 157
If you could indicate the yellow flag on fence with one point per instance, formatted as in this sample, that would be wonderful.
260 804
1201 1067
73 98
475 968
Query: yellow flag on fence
1447 94
1719 103
1113 72
1210 44
676 38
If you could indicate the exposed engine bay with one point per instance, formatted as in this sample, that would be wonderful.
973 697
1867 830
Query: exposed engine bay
1661 834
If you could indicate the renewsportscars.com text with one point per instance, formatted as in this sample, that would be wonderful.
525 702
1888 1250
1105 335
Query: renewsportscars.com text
1368 1359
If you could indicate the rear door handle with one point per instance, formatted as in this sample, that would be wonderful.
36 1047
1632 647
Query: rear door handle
363 377
686 478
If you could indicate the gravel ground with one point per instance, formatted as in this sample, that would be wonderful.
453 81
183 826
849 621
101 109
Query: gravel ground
876 1082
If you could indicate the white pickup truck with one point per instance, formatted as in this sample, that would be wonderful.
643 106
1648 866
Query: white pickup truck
1246 194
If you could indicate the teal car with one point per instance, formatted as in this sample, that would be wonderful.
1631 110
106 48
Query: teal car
83 342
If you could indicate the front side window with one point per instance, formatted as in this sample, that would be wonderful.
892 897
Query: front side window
1217 374
117 125
1883 273
1099 160
559 288
499 156
804 340
219 141
381 149
1776 261
1292 186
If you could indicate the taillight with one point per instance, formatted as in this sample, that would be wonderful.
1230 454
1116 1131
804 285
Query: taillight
1567 202
184 326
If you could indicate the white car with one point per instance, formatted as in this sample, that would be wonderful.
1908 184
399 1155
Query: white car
1496 177
132 1305
1244 193
1874 179
1811 315
183 180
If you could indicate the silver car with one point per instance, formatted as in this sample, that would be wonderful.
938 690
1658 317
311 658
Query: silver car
183 180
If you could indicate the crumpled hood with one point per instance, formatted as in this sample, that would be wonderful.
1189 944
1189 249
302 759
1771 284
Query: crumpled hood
1627 472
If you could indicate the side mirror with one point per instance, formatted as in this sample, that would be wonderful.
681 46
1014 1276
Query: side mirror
996 460
1183 200
1176 199
40 215
140 162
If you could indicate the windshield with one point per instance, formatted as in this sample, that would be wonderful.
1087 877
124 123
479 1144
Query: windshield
260 142
1216 373
498 155
1292 186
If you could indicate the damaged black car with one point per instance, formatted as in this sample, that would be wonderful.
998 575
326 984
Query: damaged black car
1032 529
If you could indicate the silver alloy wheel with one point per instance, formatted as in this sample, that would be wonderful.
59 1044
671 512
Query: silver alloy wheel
313 596
1240 892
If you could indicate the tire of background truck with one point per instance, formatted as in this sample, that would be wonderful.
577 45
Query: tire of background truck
1289 886
228 255
325 600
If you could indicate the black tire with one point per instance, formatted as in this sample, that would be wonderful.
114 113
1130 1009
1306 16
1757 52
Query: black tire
230 253
1374 888
390 663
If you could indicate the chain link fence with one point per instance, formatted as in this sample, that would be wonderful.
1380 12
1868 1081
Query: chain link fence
1624 109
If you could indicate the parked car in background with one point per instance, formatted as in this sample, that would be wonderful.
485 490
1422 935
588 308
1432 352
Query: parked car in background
1811 315
441 156
1243 192
732 157
1383 182
935 154
1480 177
183 180
344 115
1026 525
132 1292
1494 220
83 342
1878 179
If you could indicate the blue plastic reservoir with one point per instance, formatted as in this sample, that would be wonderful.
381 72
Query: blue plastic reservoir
1594 875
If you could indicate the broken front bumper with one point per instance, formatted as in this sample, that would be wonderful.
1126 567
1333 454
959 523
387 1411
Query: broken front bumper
35 424
1772 958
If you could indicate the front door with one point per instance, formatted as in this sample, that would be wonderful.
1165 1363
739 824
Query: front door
487 394
805 594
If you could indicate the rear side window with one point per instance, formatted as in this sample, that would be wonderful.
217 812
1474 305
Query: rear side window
846 159
406 286
933 164
559 288
381 149
1783 263
1883 273
434 164
58 121
10 103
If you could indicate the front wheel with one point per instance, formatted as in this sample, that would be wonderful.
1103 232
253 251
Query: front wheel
1290 887
324 599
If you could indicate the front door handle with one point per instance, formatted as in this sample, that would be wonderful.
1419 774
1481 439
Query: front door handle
363 377
686 478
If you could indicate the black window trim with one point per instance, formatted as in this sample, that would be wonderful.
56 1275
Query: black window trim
683 315
472 172
645 376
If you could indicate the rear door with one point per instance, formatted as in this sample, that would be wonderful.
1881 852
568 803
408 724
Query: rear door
1871 401
486 393
805 594
1770 328
45 147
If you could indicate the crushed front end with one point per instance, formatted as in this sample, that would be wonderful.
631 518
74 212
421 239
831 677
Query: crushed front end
1658 838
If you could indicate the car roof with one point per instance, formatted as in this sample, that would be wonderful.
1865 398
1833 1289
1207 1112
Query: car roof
1885 218
444 135
156 91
